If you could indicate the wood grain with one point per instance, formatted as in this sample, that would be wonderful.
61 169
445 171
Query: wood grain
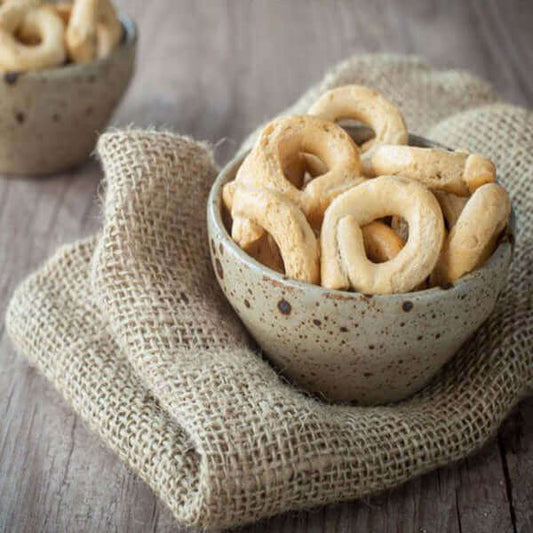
214 69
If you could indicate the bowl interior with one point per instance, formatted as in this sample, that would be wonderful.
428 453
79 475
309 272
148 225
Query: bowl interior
360 134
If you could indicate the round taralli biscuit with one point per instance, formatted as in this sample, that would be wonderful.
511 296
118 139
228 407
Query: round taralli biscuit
31 38
368 106
276 163
454 172
93 30
287 225
472 239
344 263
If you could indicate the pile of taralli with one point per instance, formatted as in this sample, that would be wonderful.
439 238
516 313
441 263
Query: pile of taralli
36 35
381 218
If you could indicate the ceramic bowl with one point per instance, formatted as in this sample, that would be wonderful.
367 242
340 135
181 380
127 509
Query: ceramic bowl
50 119
348 346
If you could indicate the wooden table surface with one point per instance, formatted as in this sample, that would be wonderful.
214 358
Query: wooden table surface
214 69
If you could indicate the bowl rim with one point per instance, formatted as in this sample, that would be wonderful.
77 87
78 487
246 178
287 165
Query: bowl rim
129 40
503 252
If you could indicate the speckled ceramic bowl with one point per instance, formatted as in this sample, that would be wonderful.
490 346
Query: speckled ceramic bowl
348 346
50 119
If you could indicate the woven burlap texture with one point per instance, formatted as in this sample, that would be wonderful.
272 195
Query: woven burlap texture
133 331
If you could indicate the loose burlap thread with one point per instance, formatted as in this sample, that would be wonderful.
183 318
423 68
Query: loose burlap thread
132 330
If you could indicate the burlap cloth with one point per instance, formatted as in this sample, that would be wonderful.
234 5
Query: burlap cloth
132 329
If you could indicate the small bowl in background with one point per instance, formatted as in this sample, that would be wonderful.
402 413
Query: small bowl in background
50 119
349 346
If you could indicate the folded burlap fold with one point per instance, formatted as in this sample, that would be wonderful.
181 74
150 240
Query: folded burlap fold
131 328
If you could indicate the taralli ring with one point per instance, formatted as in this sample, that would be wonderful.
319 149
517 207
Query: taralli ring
472 239
454 172
287 225
367 106
344 263
30 38
93 31
276 163
109 29
382 243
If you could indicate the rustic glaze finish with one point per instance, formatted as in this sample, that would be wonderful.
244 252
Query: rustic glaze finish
50 119
350 346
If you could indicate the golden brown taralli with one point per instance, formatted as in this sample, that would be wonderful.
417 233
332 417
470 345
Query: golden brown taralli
344 263
287 225
276 163
31 38
472 239
93 31
454 172
368 106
